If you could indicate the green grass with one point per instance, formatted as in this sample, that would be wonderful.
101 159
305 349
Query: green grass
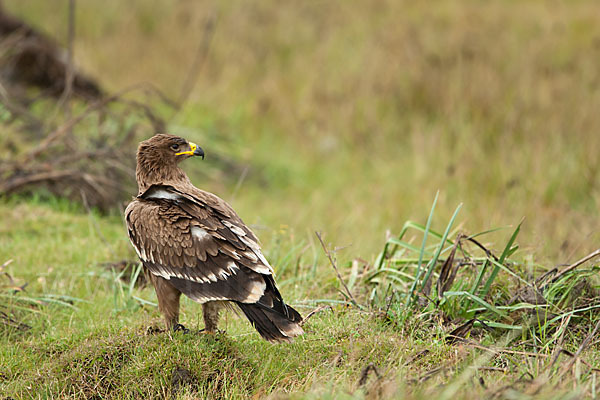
95 340
348 119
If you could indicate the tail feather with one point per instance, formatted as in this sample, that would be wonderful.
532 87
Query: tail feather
272 318
272 325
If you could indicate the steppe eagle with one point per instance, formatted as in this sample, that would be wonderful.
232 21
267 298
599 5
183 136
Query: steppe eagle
192 242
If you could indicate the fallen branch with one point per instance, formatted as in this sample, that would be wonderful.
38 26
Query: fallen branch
315 311
332 262
576 264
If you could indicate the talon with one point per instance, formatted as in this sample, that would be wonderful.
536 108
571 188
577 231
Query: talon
179 327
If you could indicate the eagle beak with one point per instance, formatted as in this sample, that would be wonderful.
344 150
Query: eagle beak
198 151
193 151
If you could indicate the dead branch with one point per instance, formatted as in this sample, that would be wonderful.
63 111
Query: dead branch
576 264
315 311
332 262
6 264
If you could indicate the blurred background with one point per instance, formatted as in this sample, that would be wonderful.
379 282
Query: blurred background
342 117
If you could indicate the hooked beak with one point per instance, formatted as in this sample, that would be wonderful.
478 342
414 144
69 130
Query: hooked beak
195 150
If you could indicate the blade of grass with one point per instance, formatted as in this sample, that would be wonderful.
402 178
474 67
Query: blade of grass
431 264
476 299
500 262
411 293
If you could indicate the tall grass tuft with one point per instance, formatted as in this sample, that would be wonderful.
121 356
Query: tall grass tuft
462 282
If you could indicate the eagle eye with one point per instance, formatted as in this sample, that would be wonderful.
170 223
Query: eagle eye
174 147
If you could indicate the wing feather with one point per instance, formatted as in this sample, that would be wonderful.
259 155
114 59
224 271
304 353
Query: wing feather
199 243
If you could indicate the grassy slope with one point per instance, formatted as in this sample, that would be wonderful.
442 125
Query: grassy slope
351 118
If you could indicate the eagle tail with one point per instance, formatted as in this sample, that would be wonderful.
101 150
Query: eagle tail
273 325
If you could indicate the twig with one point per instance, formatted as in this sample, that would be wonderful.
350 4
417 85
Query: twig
6 264
576 264
331 260
529 354
315 311
482 247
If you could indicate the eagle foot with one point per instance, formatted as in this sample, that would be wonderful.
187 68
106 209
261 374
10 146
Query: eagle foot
214 332
181 328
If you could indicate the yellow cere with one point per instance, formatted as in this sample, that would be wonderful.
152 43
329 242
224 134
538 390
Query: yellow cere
193 147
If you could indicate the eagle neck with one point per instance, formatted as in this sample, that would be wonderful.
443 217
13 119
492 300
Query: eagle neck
149 173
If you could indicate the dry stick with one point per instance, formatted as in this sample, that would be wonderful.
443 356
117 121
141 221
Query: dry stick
584 344
6 264
576 264
328 253
315 311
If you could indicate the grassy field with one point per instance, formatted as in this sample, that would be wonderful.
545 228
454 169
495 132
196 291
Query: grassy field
343 118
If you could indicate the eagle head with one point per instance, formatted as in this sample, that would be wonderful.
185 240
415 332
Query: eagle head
157 159
165 149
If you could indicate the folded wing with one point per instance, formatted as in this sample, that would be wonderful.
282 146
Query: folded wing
197 242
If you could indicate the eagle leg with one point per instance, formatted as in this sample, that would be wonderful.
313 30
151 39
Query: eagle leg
168 300
210 310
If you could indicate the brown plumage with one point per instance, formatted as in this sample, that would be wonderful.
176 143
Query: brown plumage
192 242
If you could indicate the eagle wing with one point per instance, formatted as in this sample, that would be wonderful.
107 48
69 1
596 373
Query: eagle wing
196 241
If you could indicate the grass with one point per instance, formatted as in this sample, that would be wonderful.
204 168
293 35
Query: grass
348 119
97 341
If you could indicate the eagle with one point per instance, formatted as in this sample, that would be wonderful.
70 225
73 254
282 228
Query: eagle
190 241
